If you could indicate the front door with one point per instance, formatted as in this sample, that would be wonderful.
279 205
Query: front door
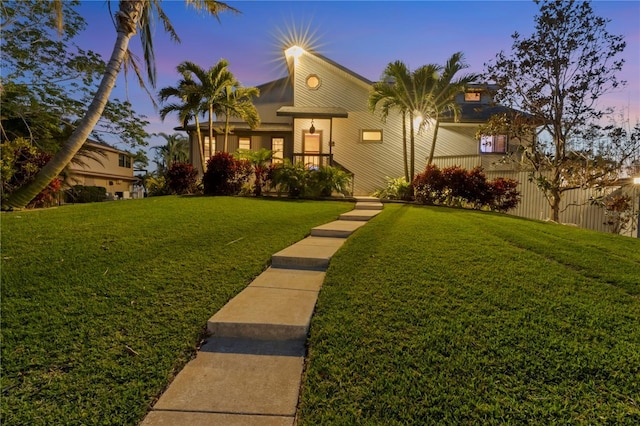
312 148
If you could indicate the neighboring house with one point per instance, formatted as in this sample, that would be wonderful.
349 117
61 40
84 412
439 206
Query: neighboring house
319 115
106 167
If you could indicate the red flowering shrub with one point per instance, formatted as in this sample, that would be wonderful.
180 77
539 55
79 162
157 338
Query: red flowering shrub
504 194
455 186
21 161
429 186
181 178
225 174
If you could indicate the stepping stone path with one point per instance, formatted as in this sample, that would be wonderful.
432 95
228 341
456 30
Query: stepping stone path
249 371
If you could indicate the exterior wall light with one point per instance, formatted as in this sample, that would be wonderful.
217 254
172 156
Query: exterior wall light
312 129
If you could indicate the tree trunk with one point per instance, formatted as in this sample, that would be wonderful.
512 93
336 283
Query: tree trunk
226 132
412 164
212 142
404 147
127 19
200 144
433 142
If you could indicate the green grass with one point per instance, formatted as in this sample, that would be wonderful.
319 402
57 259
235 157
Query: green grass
103 303
444 316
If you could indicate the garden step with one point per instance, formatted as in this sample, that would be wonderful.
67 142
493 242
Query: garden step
337 228
311 253
369 206
235 381
294 279
265 313
360 215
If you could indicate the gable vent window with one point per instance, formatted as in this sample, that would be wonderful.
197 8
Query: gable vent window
313 82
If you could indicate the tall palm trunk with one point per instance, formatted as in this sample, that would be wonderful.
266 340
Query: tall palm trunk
226 132
200 144
127 19
404 146
412 153
212 142
433 142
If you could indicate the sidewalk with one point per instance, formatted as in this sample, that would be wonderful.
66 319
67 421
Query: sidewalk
249 371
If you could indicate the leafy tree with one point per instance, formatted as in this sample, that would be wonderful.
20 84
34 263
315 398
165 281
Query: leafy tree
557 76
132 17
47 80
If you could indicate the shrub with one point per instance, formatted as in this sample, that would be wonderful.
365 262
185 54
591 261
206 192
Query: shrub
455 186
324 180
181 178
396 189
21 161
290 178
85 194
429 186
157 186
225 174
505 195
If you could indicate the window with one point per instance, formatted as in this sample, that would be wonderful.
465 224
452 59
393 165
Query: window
313 82
472 97
124 161
277 147
371 136
244 143
493 144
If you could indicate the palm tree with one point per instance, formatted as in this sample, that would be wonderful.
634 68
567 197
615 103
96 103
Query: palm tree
188 109
238 103
176 150
440 99
392 93
132 16
210 85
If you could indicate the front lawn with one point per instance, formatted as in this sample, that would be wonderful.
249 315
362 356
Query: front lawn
103 303
444 316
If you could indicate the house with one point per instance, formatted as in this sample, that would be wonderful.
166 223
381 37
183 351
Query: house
104 166
319 114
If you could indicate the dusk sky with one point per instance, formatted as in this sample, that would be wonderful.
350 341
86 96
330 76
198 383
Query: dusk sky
363 36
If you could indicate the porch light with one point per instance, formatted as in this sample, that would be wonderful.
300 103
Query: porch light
312 129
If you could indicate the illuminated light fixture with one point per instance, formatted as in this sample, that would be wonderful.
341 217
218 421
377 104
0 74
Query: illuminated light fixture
312 129
636 180
294 51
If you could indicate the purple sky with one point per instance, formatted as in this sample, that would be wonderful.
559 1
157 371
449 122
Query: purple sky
363 36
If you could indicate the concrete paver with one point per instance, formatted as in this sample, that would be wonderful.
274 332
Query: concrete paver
310 254
337 228
364 205
239 376
178 418
294 279
360 215
265 313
